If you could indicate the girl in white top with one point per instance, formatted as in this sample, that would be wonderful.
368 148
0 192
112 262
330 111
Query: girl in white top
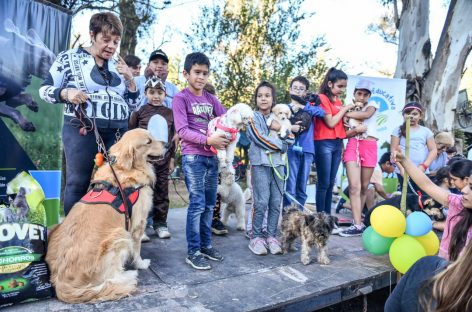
360 156
422 146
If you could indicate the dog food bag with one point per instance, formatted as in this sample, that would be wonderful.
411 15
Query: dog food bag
24 275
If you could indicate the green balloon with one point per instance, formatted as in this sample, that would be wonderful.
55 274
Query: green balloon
375 243
404 252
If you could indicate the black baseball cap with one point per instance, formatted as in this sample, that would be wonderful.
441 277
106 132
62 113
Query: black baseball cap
159 54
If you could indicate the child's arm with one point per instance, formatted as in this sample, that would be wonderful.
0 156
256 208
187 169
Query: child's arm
219 141
433 152
437 193
256 135
331 121
362 115
133 121
359 129
315 111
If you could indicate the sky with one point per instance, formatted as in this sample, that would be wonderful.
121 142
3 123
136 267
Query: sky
343 23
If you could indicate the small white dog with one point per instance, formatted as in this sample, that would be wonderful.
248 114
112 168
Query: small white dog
233 200
230 123
281 113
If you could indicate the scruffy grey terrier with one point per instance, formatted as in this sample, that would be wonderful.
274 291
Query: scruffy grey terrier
313 229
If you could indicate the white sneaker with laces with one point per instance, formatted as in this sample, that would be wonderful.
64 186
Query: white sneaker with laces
163 232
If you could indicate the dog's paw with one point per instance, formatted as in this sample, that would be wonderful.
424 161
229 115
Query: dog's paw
306 261
293 248
240 227
324 260
142 264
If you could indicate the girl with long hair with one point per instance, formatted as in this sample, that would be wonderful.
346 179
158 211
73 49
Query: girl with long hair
328 135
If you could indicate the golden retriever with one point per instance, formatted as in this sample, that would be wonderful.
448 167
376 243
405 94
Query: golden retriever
87 252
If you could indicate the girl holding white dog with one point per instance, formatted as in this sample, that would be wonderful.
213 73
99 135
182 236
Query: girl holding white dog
267 171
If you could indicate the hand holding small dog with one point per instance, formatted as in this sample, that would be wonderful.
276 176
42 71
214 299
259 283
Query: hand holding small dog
218 140
275 125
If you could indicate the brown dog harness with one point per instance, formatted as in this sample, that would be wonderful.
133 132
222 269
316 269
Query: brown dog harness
102 192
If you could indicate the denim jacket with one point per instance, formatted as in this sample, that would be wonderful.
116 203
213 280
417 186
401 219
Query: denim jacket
265 143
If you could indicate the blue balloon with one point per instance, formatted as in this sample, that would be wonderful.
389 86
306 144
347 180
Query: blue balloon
418 224
158 127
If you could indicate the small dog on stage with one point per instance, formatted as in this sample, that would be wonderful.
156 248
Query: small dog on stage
282 114
233 200
230 124
313 230
87 252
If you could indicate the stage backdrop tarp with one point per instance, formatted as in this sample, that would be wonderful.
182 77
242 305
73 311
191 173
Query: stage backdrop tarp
31 35
389 94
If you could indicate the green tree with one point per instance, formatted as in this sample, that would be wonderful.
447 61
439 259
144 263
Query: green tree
249 41
136 15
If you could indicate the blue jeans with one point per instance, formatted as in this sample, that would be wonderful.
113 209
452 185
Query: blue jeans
80 152
327 160
201 179
299 171
267 189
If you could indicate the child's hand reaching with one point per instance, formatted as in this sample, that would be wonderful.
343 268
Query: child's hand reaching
397 156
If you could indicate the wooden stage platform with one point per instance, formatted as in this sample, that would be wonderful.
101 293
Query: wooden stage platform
243 281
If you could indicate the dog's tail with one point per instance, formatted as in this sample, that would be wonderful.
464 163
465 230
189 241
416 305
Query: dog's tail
105 279
247 194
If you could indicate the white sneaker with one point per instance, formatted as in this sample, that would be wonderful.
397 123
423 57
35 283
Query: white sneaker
274 246
163 232
145 238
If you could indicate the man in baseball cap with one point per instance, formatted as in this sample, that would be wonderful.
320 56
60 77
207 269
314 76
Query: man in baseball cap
157 66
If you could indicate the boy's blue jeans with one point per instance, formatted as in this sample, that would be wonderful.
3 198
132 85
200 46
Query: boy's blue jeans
299 171
327 160
201 179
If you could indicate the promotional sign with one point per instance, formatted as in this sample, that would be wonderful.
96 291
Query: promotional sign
31 35
389 94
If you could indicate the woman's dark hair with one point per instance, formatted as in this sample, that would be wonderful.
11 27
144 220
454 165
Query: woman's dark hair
268 85
441 174
406 110
461 169
105 23
196 58
333 75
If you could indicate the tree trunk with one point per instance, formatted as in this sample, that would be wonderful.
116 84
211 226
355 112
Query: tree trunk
442 82
414 46
131 23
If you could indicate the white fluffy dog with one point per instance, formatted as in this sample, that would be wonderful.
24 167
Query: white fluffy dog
281 113
233 200
230 123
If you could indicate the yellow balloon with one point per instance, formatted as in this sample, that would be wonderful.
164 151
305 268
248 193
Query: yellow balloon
404 252
388 221
430 243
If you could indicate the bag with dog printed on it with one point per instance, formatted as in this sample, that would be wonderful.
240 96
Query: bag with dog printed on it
24 275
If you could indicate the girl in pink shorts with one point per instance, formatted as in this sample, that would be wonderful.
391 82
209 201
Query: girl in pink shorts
360 156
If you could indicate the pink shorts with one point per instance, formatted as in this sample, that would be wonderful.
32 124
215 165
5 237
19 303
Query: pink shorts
362 151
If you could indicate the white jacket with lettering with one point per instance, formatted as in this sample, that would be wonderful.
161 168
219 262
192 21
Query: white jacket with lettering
76 69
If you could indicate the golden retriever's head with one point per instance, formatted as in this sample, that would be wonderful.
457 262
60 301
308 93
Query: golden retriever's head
134 149
239 115
282 112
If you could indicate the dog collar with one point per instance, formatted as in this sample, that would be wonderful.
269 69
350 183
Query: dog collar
232 131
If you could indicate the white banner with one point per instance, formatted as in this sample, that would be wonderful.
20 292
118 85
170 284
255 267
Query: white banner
389 94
